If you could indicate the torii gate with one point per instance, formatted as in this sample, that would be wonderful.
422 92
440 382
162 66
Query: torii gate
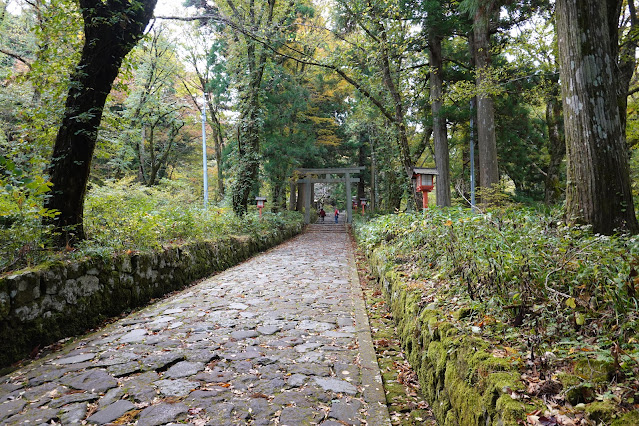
308 180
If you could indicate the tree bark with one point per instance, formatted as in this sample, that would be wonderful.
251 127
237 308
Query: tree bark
598 189
556 149
111 30
250 117
440 132
623 51
399 120
486 141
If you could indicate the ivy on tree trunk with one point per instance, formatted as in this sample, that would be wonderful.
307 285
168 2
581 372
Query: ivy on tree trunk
111 30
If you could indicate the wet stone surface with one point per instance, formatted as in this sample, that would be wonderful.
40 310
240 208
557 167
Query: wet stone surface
270 341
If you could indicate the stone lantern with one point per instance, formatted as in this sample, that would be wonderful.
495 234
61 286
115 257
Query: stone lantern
425 181
260 203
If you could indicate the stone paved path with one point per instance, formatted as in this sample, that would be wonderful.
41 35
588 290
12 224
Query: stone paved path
281 339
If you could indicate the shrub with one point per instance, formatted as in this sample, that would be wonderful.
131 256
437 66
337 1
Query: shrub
520 267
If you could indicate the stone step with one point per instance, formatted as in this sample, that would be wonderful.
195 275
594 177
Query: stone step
326 227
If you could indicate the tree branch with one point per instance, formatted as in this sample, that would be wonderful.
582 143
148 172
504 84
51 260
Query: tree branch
15 56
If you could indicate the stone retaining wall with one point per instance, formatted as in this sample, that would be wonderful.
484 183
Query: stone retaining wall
44 304
462 381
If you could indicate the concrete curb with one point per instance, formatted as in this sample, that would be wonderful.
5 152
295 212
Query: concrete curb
374 394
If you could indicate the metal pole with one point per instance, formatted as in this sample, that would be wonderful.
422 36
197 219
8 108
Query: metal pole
472 155
349 201
204 165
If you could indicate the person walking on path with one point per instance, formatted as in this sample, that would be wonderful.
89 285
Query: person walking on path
322 214
336 214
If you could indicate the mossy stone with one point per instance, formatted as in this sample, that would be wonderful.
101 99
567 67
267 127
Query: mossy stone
601 411
593 370
462 313
631 418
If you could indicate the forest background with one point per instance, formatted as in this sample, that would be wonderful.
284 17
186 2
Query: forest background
101 144
386 85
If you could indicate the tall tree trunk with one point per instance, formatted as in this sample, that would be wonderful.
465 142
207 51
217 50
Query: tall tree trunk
440 132
250 118
292 196
218 141
399 120
598 190
624 51
556 149
362 163
111 30
486 141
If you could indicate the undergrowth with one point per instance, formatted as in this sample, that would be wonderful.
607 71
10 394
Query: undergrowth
122 216
523 278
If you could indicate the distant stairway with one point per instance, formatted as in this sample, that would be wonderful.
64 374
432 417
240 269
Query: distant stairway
327 227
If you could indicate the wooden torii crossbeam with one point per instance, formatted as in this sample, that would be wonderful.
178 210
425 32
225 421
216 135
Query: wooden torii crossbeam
310 177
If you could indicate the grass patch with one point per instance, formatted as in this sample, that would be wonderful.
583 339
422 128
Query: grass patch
548 298
125 216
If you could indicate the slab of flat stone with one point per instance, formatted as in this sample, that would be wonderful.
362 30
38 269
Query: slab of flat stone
72 398
7 388
346 411
11 407
291 397
162 320
297 416
173 311
37 416
140 386
111 396
238 306
296 380
162 413
267 330
184 369
43 391
94 380
176 387
112 412
74 359
312 357
345 321
220 414
114 358
337 334
73 414
133 336
336 385
126 369
201 355
45 374
250 353
162 360
244 334
305 347
310 369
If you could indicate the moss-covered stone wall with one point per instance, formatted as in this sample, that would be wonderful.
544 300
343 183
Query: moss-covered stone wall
44 304
463 382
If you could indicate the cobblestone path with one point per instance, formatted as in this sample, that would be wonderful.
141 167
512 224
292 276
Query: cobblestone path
281 339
